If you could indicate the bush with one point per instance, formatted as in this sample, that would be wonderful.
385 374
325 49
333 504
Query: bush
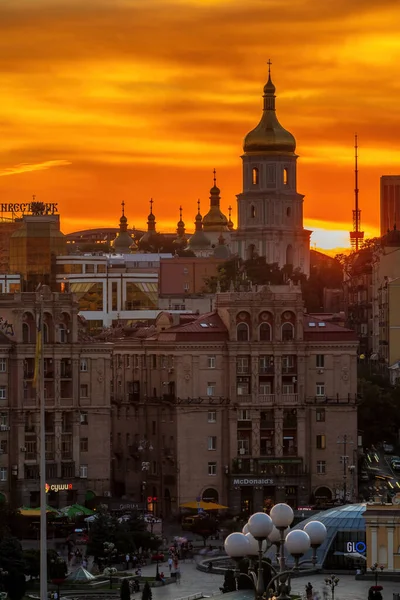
125 590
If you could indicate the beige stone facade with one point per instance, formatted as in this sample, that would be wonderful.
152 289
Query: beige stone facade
77 395
262 398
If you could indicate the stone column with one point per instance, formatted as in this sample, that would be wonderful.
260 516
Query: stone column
390 548
374 545
278 431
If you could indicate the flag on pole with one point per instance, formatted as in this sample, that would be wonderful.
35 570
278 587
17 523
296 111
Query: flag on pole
38 351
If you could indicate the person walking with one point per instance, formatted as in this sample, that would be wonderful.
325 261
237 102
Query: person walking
170 564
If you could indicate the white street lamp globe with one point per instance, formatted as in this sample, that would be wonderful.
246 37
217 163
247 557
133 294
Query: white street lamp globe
237 545
245 529
260 525
275 535
282 515
254 547
297 542
316 532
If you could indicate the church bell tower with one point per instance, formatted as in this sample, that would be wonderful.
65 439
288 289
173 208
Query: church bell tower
270 210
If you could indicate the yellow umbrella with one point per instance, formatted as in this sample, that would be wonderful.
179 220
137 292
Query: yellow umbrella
35 512
203 505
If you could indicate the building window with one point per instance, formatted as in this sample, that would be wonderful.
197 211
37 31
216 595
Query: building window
62 334
83 471
127 361
3 392
320 415
212 442
4 472
211 362
320 389
212 416
243 447
242 365
242 332
3 447
321 467
320 361
244 414
285 176
3 421
186 286
211 385
212 468
287 332
84 365
3 365
255 176
84 418
84 444
243 387
321 442
84 390
265 332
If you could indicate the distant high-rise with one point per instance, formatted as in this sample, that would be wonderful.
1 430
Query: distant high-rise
390 202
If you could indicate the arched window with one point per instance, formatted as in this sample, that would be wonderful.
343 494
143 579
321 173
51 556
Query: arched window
26 333
242 332
285 176
265 332
45 333
62 334
255 176
253 211
288 212
289 255
287 332
210 495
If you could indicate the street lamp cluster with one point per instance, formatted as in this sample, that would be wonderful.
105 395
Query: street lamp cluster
261 532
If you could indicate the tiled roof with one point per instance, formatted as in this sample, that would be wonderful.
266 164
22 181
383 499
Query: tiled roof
208 327
317 328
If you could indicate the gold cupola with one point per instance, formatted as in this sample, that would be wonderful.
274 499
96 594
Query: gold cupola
269 137
215 220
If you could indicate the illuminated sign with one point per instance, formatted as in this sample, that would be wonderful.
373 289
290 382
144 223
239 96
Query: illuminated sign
57 487
35 208
359 547
257 481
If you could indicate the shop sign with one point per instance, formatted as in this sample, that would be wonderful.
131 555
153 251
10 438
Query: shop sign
359 547
125 506
35 208
57 487
256 481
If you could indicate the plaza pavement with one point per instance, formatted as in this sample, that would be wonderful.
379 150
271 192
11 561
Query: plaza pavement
194 582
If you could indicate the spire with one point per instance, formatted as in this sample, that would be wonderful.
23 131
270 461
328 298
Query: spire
198 218
269 90
180 230
151 220
123 208
123 243
123 222
230 222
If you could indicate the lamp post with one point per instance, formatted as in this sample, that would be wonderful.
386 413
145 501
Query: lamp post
344 440
262 531
332 582
375 570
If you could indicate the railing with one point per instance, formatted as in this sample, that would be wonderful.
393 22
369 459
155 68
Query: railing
289 398
266 399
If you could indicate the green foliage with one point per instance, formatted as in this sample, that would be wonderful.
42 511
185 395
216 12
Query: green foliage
147 593
102 530
125 590
10 520
56 566
11 561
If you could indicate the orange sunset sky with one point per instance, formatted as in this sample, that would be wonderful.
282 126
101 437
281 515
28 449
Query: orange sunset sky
110 100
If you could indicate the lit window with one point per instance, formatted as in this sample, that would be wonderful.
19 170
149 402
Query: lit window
212 442
321 442
321 467
253 211
285 176
212 468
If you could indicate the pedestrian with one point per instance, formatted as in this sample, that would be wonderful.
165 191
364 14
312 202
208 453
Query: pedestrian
309 591
170 564
127 558
162 577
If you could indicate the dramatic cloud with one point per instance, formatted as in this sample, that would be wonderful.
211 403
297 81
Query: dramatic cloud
146 98
25 168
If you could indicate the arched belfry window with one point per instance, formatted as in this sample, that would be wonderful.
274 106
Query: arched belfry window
287 332
285 176
242 332
265 332
253 211
255 176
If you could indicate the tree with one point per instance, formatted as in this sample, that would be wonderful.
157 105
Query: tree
125 590
205 527
10 520
101 530
147 593
11 561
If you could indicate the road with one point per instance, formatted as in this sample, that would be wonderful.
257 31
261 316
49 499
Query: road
382 478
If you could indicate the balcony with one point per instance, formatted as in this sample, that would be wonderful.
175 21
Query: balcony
244 399
289 398
267 399
289 369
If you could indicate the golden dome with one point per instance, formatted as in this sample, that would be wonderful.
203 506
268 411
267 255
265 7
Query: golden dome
215 220
269 136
